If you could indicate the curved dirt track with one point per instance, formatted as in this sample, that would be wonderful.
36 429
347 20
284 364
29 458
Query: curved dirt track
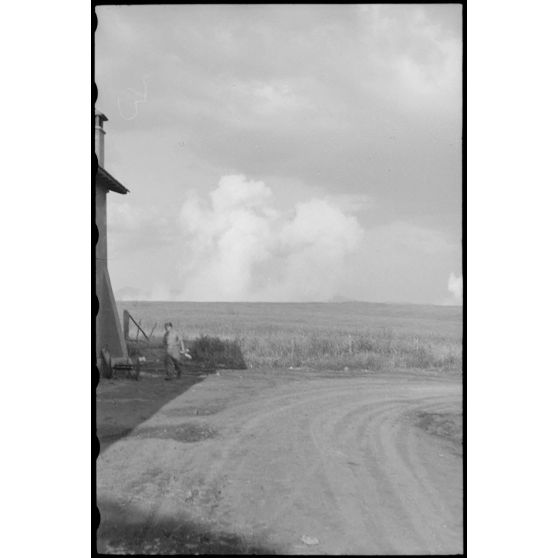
274 457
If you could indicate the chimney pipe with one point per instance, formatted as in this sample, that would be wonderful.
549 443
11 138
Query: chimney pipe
100 137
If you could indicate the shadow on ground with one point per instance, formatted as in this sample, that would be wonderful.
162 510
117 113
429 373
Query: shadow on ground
123 404
127 529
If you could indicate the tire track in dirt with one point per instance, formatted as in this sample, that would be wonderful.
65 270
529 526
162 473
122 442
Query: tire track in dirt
436 468
418 502
243 449
387 505
340 460
339 454
251 416
360 437
406 511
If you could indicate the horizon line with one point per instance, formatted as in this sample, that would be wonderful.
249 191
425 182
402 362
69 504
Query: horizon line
294 302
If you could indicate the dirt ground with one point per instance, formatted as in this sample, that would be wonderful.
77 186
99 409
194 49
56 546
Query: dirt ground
281 461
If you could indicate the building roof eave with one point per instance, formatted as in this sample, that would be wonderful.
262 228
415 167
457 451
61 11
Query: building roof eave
110 182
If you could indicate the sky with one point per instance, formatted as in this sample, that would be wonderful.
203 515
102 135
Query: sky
283 152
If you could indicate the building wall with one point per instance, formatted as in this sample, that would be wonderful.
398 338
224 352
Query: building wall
109 331
101 222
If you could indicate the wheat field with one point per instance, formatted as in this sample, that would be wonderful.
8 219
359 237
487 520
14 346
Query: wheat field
327 335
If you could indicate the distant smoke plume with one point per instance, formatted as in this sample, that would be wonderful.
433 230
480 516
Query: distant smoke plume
455 287
238 246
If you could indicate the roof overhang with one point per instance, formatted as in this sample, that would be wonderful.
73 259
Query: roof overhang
107 180
101 115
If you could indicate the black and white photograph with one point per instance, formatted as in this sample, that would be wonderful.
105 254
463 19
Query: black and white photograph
279 279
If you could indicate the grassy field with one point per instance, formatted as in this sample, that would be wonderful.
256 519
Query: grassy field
330 335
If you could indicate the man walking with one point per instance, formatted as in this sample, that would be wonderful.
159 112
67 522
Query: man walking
174 346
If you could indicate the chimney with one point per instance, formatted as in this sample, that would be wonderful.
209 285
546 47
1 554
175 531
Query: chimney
100 137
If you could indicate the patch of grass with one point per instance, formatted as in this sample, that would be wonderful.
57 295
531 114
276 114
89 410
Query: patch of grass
371 350
445 425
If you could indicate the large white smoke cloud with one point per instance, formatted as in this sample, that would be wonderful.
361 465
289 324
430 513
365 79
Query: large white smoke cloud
455 287
240 247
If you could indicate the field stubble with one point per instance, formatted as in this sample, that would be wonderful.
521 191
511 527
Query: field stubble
319 335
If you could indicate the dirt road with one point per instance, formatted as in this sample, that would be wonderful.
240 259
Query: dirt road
291 462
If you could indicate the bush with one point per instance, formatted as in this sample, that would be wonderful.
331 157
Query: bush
216 352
